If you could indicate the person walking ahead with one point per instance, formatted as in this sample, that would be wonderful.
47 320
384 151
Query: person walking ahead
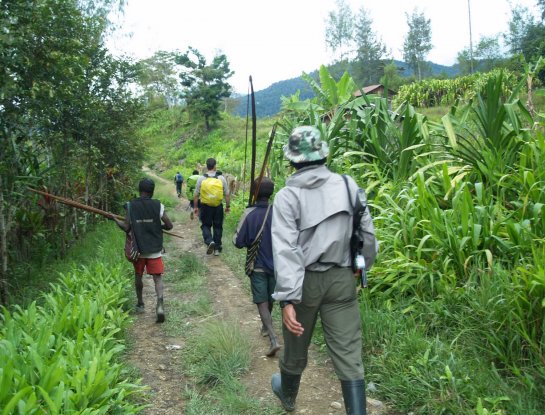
144 216
311 230
254 232
211 189
190 189
179 180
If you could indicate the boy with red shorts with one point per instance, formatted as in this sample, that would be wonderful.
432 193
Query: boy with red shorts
144 216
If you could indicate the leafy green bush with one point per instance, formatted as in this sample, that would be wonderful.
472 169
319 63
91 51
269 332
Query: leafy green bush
63 356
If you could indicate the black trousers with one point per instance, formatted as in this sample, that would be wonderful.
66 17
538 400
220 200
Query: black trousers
212 224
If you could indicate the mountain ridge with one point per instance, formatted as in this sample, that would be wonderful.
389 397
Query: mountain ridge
268 100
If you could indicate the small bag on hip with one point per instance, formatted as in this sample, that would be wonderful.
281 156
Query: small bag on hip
251 253
131 248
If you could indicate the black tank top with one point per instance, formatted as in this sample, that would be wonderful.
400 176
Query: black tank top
145 215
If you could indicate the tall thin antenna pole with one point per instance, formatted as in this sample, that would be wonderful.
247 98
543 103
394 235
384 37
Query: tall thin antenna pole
470 37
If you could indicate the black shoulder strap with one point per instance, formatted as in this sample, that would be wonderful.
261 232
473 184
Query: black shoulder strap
358 209
348 191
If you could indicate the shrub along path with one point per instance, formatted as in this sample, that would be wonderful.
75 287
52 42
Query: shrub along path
158 350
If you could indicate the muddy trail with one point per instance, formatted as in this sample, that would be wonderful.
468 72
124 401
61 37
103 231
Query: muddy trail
157 354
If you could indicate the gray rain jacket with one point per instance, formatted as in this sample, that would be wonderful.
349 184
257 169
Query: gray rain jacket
311 228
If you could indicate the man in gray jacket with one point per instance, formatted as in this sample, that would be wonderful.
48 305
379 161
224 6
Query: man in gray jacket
311 230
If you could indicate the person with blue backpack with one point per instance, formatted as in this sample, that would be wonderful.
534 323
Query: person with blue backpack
179 180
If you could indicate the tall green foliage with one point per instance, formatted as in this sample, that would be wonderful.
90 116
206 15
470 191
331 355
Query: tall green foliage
370 50
459 210
488 135
157 76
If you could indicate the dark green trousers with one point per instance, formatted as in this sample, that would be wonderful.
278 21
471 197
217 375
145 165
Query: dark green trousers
332 294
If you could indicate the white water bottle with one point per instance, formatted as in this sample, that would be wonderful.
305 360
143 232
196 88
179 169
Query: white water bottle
360 266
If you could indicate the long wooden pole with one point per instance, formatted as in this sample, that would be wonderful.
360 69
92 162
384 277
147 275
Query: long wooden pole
264 165
91 209
254 141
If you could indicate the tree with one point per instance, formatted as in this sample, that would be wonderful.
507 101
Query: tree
66 121
205 85
417 43
533 46
466 61
340 29
369 49
521 20
158 78
486 56
488 51
541 5
391 78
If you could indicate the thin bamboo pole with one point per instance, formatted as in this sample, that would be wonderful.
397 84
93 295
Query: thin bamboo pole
87 208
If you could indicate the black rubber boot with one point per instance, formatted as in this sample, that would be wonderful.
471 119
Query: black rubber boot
354 396
286 387
160 311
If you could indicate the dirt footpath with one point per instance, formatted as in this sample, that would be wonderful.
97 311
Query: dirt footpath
157 355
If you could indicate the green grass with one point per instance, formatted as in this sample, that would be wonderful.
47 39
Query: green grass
175 144
188 277
217 355
435 357
434 113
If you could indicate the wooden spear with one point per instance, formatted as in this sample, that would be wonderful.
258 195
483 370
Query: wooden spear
91 209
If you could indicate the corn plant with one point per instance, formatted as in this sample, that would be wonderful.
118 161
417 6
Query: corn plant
434 92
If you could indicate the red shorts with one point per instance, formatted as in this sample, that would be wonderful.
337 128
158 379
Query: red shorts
153 266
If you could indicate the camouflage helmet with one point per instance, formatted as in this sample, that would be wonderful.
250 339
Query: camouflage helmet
305 144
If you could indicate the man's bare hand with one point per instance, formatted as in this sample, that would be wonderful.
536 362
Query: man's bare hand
290 320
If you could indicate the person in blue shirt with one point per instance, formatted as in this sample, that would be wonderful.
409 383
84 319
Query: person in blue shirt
179 180
256 219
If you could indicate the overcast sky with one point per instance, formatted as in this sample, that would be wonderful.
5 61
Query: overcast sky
279 39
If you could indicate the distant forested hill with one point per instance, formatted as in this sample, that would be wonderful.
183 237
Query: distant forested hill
436 69
267 101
